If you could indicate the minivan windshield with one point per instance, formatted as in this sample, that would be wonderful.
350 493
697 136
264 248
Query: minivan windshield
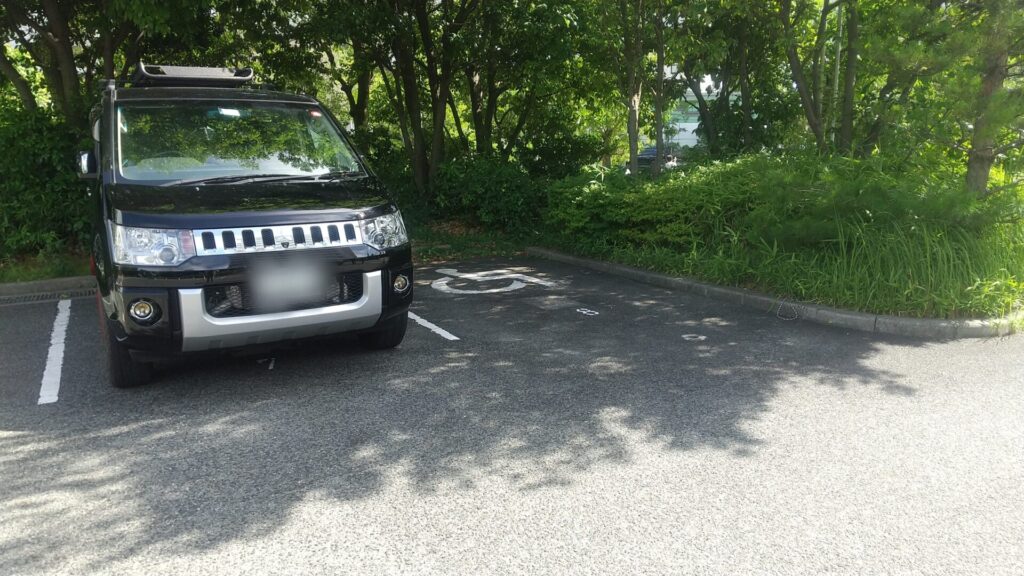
169 142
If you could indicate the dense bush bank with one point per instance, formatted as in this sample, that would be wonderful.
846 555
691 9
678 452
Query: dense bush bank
489 192
42 202
863 234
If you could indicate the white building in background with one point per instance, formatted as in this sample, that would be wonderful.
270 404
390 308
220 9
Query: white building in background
681 121
681 126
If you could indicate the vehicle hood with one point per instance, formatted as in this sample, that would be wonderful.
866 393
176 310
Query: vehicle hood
251 204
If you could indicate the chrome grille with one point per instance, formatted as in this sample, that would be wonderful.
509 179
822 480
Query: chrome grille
267 238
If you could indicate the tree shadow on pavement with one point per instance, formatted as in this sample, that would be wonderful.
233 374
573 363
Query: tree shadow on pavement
535 394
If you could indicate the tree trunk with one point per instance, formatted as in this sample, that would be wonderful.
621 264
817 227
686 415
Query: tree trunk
633 130
109 48
439 112
131 52
439 57
484 91
394 95
436 85
454 106
52 52
60 41
707 117
405 68
720 107
493 92
632 82
481 124
28 99
833 106
513 138
845 142
746 98
818 63
659 96
982 154
364 76
797 70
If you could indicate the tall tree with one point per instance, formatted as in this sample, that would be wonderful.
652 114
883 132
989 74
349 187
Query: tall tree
809 89
997 107
631 20
844 143
659 87
21 85
423 39
73 43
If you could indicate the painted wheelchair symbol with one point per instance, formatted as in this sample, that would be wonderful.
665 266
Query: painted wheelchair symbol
517 281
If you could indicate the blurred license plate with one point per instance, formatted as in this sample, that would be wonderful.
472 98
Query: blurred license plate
287 284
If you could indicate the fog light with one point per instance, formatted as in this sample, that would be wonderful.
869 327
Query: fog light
144 311
401 283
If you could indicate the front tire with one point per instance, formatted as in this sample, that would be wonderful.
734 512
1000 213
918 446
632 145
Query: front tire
389 334
125 372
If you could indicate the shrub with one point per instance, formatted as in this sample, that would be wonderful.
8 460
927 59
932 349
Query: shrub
488 191
43 205
854 233
557 151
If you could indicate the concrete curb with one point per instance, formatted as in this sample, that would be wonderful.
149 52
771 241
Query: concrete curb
930 328
46 286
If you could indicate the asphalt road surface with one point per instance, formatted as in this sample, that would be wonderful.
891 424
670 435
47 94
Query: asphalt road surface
579 424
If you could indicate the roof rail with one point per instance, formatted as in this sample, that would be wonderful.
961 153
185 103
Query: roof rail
160 75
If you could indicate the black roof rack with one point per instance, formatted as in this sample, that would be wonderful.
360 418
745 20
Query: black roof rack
194 76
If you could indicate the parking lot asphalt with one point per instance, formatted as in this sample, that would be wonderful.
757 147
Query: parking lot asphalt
579 424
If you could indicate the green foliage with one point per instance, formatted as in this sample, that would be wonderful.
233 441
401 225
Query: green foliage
556 152
43 266
842 232
43 205
450 240
534 91
488 191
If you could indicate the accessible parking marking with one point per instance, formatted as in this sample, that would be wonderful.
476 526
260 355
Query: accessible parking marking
433 327
50 385
518 281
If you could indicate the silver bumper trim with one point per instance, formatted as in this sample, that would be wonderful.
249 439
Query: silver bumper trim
200 331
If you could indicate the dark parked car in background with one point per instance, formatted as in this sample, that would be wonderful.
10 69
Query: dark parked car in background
645 158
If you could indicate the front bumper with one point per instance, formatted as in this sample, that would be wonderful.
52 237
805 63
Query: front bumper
201 331
187 326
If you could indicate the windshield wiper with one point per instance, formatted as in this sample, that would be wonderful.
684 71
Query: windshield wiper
328 177
234 179
337 175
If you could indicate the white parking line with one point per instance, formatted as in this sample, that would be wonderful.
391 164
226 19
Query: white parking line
50 385
433 327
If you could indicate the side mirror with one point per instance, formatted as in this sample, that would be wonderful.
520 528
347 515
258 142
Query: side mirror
87 165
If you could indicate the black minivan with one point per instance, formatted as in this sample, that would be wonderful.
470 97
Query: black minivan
227 216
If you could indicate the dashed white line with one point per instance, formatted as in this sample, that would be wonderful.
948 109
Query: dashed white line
50 385
433 327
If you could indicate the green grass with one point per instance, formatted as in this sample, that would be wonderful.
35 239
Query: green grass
841 233
42 267
943 274
447 241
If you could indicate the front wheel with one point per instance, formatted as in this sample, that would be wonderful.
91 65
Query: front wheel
125 372
389 334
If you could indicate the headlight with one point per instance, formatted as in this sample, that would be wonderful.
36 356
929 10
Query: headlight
149 247
385 231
